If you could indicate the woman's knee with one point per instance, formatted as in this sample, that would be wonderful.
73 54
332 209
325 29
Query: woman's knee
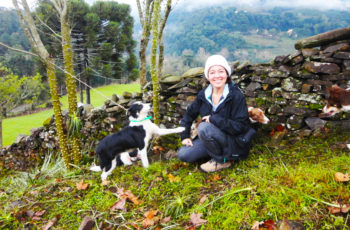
185 155
204 130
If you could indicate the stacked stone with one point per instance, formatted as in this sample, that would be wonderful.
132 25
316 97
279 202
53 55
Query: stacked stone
176 93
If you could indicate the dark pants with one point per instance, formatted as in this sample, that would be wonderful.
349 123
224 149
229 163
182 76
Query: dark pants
209 145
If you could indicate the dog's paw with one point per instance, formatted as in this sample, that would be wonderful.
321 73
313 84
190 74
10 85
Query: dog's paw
95 168
180 129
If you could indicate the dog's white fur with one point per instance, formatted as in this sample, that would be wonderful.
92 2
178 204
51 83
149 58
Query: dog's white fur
260 116
151 130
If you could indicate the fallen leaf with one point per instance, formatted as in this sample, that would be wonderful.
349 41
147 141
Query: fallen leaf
196 219
165 220
340 177
128 195
216 177
50 224
81 185
343 208
203 199
173 178
120 205
157 149
256 225
150 218
38 214
270 225
191 228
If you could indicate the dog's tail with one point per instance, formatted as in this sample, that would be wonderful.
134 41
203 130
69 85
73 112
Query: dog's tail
95 168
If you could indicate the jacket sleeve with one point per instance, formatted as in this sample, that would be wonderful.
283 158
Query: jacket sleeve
191 114
238 120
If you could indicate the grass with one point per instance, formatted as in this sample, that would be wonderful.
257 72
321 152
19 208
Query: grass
294 181
12 127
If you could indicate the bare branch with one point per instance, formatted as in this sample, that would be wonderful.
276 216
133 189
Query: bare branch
17 50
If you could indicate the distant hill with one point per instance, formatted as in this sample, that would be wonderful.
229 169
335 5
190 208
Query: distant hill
247 34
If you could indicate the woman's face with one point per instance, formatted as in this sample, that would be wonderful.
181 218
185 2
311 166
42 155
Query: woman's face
217 76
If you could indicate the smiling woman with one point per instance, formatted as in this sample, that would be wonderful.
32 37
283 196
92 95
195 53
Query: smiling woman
224 116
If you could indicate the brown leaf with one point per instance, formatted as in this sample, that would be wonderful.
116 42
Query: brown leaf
50 224
150 218
165 220
128 195
203 199
340 177
344 208
173 178
196 219
81 185
216 177
119 205
157 149
270 225
256 225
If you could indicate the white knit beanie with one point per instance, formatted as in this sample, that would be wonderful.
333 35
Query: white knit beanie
216 60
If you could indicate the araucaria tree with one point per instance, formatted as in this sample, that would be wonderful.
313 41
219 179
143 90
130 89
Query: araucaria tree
29 28
62 9
152 17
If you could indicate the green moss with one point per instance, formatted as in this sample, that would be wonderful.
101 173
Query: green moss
260 101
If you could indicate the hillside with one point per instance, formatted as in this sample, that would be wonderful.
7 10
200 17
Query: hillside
256 35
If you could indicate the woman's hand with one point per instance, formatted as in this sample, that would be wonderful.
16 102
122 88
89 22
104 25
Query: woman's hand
206 118
187 142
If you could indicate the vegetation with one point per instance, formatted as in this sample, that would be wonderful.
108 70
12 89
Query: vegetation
216 29
23 124
294 181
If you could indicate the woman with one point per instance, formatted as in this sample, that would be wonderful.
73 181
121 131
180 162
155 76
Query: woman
225 118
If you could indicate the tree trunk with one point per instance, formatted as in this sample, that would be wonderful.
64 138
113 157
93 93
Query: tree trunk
0 131
69 72
145 19
62 138
31 32
323 39
160 40
154 69
87 75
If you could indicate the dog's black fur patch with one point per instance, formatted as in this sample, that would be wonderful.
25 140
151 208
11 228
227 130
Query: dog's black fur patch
128 138
134 109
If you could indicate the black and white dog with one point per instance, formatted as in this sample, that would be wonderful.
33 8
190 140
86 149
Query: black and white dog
132 141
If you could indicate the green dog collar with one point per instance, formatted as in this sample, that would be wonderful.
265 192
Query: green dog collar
147 118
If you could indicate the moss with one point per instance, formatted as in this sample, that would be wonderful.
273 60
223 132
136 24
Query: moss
260 101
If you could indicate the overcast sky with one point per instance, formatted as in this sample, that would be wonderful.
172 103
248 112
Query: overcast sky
190 4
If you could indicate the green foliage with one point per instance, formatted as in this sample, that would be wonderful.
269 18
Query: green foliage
15 91
102 37
216 28
294 181
74 125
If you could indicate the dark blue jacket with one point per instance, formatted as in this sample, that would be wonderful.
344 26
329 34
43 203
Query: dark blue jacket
231 117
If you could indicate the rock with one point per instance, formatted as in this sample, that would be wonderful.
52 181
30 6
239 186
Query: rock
127 95
320 67
315 123
337 47
171 80
294 122
309 52
253 86
199 71
291 84
342 55
87 224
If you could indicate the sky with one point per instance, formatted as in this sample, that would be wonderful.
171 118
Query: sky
190 4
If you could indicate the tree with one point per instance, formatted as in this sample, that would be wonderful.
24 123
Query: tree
30 30
15 91
62 8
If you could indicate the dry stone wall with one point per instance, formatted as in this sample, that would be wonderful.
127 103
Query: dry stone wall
291 89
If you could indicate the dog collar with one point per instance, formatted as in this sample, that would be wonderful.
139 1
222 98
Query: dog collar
147 118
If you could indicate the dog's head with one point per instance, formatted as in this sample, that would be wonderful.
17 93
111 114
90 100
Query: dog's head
334 101
138 111
257 115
